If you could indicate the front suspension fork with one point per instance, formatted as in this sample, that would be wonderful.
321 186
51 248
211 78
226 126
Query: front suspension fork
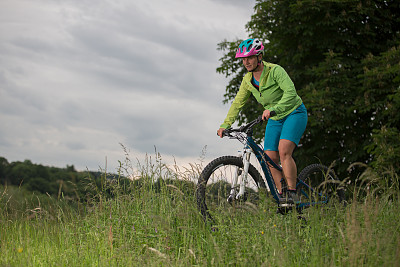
246 163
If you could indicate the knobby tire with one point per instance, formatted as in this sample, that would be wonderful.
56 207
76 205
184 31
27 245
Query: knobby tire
208 192
324 182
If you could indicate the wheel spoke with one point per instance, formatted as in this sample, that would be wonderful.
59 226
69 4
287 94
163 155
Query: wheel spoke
215 187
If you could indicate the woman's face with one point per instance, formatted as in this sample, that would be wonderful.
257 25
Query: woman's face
250 63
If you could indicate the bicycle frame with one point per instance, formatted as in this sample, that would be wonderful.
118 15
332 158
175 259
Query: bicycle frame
264 159
265 162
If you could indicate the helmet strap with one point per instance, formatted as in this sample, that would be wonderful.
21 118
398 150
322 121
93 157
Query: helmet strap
254 68
259 62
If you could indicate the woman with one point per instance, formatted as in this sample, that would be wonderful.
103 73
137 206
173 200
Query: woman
274 90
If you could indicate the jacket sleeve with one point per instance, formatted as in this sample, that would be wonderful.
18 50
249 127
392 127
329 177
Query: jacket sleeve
289 91
237 104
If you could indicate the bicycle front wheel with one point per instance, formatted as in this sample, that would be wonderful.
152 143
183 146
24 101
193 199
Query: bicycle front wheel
214 187
318 184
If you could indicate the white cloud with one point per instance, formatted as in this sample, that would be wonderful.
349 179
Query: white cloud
77 79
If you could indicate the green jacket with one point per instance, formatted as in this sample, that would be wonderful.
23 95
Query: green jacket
277 93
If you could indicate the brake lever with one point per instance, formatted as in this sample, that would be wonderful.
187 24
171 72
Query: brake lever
258 120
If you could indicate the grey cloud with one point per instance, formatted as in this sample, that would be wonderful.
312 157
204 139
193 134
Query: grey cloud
19 102
115 72
238 3
35 45
76 146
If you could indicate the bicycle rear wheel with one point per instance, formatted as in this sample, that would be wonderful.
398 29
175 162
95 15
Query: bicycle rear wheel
214 186
318 184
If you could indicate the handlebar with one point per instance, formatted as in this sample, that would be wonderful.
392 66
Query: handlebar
248 128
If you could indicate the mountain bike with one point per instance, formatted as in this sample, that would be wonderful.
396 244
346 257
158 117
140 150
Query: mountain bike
232 182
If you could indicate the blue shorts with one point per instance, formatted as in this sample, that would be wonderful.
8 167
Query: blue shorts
290 128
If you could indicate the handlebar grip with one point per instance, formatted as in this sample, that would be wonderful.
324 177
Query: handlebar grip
272 113
224 133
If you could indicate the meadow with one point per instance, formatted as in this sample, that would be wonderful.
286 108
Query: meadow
155 222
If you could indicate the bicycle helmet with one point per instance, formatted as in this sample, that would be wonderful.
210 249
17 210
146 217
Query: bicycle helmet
249 47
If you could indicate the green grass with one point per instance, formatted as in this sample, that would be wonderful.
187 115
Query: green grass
160 226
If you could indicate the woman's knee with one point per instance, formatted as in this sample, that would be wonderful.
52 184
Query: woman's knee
274 155
286 149
284 155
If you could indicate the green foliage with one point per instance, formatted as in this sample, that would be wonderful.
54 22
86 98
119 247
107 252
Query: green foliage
3 166
382 98
385 148
377 182
41 185
153 220
381 83
157 224
343 59
56 182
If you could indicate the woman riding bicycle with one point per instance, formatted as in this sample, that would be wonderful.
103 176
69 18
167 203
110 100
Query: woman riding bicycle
274 90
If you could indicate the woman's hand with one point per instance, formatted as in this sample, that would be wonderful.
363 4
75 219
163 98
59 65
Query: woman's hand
266 115
220 132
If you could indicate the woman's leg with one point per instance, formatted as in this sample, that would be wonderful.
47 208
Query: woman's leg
286 148
271 143
276 174
293 128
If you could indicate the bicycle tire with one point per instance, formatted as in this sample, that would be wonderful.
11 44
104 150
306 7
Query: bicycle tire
322 186
212 194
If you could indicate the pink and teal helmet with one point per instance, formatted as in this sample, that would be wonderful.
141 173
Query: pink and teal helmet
249 47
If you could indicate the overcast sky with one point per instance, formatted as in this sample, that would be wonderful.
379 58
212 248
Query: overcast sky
78 78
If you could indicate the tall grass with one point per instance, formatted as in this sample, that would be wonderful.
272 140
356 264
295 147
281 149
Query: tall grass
154 221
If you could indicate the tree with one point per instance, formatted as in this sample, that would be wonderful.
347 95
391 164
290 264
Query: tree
322 45
382 98
21 172
3 169
41 185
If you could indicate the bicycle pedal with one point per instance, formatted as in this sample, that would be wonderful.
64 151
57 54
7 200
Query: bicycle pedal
286 205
